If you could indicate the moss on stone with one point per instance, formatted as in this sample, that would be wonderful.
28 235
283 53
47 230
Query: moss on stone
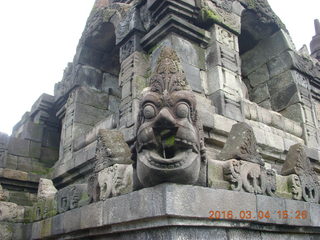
208 16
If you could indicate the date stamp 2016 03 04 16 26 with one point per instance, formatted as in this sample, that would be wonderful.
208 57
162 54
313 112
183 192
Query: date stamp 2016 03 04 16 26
250 215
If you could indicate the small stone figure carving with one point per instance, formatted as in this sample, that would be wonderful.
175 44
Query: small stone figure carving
268 182
298 163
169 142
241 145
295 187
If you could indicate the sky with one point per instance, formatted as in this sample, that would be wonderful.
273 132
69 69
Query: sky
39 37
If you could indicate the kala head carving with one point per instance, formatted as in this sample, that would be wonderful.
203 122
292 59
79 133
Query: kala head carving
169 141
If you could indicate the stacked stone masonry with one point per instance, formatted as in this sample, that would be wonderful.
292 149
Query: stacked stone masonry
177 119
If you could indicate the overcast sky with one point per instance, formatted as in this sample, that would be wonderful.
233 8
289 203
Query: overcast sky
39 37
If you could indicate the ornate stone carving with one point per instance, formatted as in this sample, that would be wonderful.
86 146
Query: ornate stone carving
268 182
294 185
115 180
250 177
111 149
298 163
72 197
112 175
169 145
241 145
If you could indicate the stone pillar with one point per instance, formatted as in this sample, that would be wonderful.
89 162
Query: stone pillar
224 84
315 43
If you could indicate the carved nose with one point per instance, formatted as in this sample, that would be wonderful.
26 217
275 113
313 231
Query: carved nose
164 119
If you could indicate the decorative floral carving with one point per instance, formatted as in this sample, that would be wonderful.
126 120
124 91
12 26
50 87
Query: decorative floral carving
250 177
298 163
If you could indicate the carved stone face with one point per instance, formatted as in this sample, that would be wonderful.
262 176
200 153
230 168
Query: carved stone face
168 141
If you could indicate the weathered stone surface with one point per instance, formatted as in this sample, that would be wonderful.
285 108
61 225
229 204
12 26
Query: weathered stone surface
6 231
71 197
11 212
115 180
298 163
111 149
2 194
241 144
46 189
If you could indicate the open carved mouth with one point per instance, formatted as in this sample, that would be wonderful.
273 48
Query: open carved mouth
169 150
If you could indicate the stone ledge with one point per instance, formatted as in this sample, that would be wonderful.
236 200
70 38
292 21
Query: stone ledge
178 205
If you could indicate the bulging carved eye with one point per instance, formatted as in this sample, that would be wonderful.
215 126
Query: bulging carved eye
149 111
182 110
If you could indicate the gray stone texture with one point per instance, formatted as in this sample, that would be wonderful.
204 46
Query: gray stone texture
241 145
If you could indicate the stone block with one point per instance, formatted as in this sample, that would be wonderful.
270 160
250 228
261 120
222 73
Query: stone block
266 50
71 220
215 175
91 216
222 125
51 138
227 105
240 234
14 174
11 161
21 231
314 214
189 54
18 147
35 149
259 94
110 85
294 112
45 227
178 201
87 75
49 156
280 64
193 77
36 230
299 213
284 98
32 131
57 224
259 76
205 111
220 78
24 164
119 209
222 55
267 209
89 115
6 231
279 42
11 212
225 37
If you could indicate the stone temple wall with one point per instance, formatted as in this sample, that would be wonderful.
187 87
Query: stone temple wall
177 119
